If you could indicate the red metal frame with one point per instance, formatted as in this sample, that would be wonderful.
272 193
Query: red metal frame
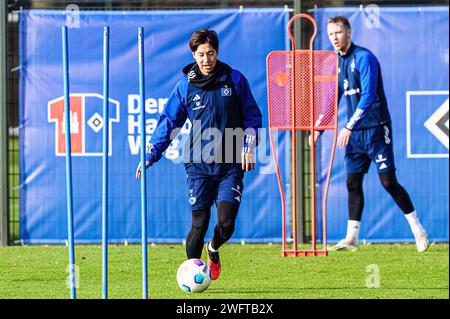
311 128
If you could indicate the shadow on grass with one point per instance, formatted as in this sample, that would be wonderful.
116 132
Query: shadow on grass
246 291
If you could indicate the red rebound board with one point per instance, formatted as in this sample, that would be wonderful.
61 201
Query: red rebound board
284 94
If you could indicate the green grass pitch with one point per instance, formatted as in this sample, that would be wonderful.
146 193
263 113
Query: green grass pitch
252 271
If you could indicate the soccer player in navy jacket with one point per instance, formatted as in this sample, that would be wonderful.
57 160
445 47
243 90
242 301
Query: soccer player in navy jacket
367 136
218 101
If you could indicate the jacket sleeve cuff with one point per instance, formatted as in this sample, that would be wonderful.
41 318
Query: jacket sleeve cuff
249 143
149 156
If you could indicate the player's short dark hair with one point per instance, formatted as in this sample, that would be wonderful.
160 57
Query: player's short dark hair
203 36
341 19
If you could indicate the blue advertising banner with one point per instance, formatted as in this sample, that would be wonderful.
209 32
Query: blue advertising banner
246 37
415 79
412 46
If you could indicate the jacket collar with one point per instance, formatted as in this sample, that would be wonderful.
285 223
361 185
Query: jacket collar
349 51
196 78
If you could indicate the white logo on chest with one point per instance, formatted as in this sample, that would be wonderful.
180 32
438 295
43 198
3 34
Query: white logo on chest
198 105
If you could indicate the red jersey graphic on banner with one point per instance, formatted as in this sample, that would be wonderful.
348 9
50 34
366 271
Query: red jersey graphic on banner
86 123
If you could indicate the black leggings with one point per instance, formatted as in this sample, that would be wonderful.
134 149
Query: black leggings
390 184
227 213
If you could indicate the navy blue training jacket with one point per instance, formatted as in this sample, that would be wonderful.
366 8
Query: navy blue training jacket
361 83
228 104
